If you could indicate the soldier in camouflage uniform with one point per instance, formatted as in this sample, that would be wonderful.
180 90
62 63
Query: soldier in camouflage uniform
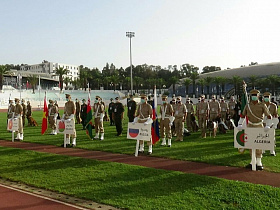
98 113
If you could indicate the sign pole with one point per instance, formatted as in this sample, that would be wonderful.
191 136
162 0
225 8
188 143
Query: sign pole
254 160
64 140
137 146
13 136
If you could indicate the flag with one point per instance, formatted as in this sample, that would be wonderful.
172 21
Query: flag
45 114
244 101
155 125
89 125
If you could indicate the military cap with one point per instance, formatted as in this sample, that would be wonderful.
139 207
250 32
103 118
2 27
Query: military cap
16 99
202 96
117 98
179 97
111 99
97 97
84 100
10 101
213 96
254 91
28 102
51 101
22 100
143 96
188 99
67 95
222 97
131 96
163 96
267 94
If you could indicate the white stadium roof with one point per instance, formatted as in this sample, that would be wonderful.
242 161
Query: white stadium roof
247 71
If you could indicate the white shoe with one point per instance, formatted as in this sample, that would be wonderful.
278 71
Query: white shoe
54 132
51 133
74 142
272 153
67 140
21 137
96 136
163 143
150 151
141 148
102 136
169 142
18 136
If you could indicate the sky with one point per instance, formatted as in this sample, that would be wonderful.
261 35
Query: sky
224 33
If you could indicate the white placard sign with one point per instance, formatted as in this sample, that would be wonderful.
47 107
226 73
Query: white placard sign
65 126
139 131
12 124
254 138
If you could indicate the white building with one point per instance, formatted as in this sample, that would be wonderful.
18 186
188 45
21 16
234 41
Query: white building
49 68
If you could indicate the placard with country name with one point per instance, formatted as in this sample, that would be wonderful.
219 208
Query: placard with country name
139 131
65 126
12 124
254 138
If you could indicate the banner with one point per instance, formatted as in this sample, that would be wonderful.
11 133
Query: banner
139 131
254 138
12 124
65 126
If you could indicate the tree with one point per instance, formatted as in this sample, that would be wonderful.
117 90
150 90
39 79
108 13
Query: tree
252 80
236 81
60 72
202 82
208 82
223 81
187 83
273 80
217 81
3 70
67 80
114 80
194 76
207 69
173 81
33 80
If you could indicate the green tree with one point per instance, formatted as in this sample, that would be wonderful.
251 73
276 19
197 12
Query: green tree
217 81
3 70
223 82
60 72
273 80
114 80
194 76
252 81
187 83
33 80
174 80
202 82
67 81
208 82
236 81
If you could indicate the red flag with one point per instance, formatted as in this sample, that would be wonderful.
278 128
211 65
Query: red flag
155 125
44 120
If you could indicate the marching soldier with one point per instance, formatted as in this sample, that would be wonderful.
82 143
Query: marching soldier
110 111
29 112
190 112
254 112
69 113
131 109
53 112
166 113
150 100
215 109
78 111
180 114
203 113
11 109
173 103
49 109
98 113
144 115
273 111
23 111
18 115
84 113
231 106
55 103
224 109
118 113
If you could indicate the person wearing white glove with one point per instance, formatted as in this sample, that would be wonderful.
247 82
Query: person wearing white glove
144 113
98 110
255 111
18 114
53 112
69 112
273 111
166 121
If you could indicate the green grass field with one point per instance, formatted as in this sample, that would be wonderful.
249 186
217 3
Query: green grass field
134 187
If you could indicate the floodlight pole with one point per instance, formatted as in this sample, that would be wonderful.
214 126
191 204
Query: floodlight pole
130 35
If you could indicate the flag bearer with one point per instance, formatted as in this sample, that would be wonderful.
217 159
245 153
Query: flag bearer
98 113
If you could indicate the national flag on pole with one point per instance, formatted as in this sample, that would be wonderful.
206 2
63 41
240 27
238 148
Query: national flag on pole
45 114
89 125
155 125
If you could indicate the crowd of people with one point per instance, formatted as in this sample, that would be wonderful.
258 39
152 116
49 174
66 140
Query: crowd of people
208 116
